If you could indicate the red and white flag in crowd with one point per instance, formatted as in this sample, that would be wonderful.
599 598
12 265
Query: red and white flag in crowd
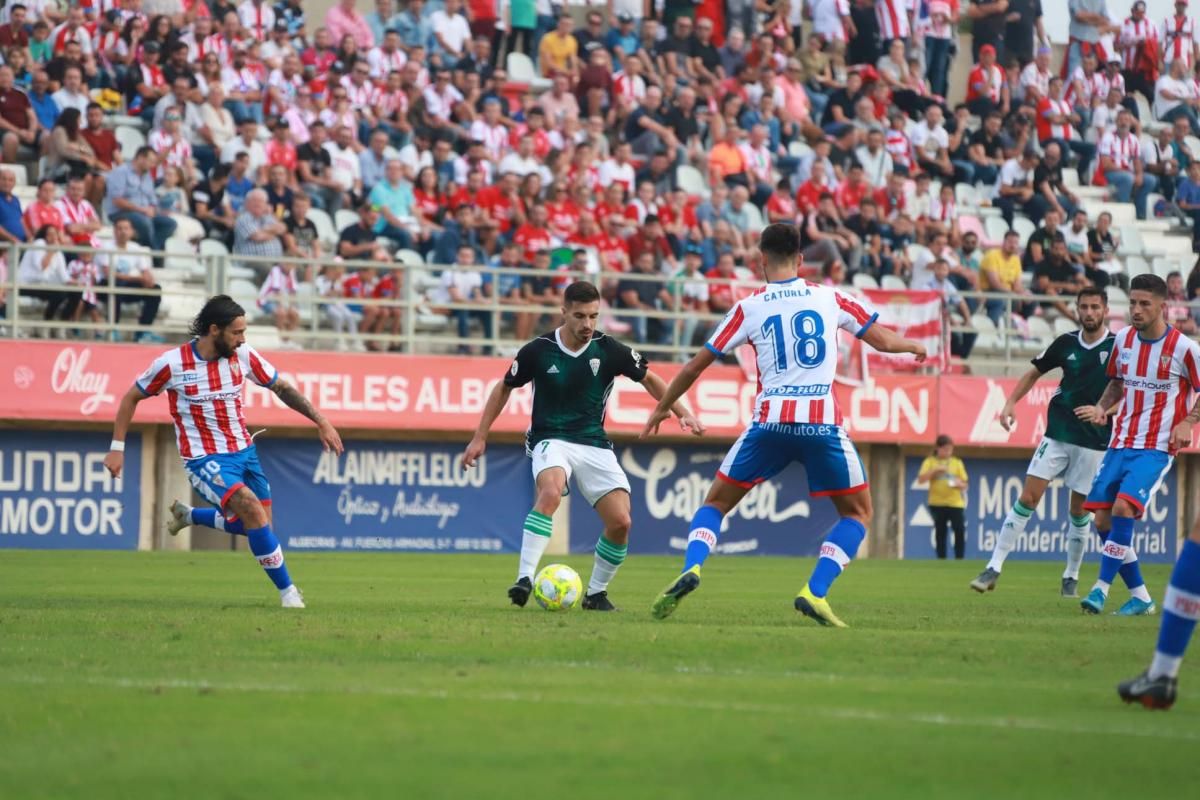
915 315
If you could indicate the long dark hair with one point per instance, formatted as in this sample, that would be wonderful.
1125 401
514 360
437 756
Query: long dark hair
68 120
220 310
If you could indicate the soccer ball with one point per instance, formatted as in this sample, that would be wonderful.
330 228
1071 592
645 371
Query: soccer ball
557 587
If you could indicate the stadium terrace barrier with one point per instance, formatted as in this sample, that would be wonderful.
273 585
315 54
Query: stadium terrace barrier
425 321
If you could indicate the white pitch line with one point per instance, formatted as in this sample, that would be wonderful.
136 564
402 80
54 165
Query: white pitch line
845 713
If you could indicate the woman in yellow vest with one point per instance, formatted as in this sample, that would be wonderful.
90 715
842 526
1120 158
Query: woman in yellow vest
947 477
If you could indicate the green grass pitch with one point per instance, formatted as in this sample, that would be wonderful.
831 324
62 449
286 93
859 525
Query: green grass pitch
176 675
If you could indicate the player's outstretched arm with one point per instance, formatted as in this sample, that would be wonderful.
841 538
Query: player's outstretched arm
1105 406
886 340
656 387
293 399
677 389
491 410
115 460
1008 416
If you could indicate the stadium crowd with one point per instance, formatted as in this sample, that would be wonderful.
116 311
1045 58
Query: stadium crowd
639 137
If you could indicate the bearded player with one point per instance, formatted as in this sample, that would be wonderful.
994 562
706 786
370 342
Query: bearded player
1071 448
572 369
793 326
1153 370
203 381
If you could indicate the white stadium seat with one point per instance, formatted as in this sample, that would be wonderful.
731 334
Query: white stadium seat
863 280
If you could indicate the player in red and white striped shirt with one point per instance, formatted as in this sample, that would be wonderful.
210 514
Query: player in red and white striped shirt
893 19
1136 29
204 380
1179 37
1153 371
793 326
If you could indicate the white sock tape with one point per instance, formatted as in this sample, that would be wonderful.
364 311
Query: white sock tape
271 560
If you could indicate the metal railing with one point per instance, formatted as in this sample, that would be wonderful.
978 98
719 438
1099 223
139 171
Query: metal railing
424 322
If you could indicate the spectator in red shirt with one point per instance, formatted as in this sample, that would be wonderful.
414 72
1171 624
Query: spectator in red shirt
533 235
14 34
42 211
720 286
502 203
281 152
653 239
811 190
562 213
850 194
18 122
780 206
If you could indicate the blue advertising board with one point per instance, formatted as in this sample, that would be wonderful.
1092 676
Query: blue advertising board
777 517
402 496
55 493
995 484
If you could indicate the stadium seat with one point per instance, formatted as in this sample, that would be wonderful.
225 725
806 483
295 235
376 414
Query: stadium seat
324 225
996 228
213 247
20 173
756 218
1131 243
410 257
180 255
188 228
1136 265
129 139
966 196
521 70
983 323
863 280
1143 106
1064 325
1117 297
1023 226
798 149
892 283
1153 201
971 224
691 180
343 219
1040 330
1193 143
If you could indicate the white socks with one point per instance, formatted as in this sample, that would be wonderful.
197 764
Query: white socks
1014 526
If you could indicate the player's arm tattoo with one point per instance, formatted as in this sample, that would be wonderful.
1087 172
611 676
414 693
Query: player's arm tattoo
1112 393
292 398
1194 416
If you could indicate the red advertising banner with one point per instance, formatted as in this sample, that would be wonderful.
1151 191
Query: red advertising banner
76 382
970 410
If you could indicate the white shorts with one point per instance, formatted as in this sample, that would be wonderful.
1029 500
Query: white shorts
1076 465
595 469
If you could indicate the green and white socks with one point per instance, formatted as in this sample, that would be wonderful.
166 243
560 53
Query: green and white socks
1013 527
534 542
1077 536
609 558
536 538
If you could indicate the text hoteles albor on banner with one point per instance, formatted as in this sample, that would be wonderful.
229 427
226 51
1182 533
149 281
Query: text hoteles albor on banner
60 381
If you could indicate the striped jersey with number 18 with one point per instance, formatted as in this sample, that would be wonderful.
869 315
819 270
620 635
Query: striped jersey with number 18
793 327
1159 377
205 397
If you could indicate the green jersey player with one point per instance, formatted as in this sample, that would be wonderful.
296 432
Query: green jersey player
1071 448
572 369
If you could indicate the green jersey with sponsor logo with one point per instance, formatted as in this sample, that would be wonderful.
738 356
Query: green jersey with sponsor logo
1084 380
570 390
